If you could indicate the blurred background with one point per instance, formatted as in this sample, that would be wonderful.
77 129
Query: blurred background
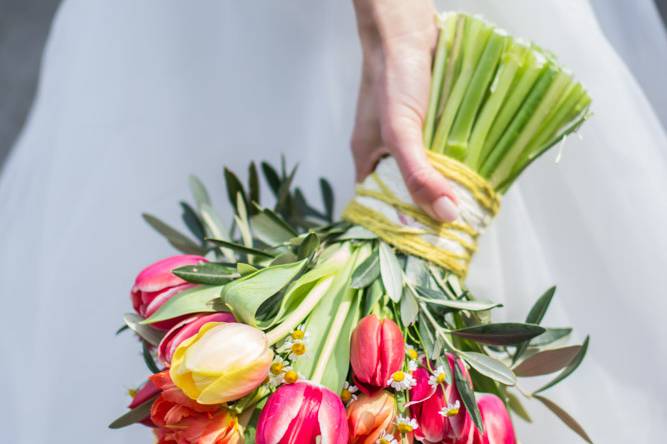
25 24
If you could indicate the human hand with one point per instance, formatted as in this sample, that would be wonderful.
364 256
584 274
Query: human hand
398 38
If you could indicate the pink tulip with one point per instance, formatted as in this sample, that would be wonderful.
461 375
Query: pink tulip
146 392
302 413
429 402
156 284
184 330
377 350
498 428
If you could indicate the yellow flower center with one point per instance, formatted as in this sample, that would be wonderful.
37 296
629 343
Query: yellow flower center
383 441
132 393
291 377
452 412
441 378
298 334
299 348
404 428
277 368
412 353
398 376
345 395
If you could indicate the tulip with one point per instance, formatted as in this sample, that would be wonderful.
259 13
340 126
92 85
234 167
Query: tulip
146 392
370 416
184 330
156 284
498 428
302 413
437 405
377 350
179 419
223 362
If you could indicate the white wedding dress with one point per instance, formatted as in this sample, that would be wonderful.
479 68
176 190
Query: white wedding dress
134 96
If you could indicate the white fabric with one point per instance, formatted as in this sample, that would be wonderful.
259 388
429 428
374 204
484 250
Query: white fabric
136 95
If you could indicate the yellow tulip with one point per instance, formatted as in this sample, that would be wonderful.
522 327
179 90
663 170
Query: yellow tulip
223 362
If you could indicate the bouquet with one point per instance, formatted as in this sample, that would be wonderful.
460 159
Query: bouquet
289 327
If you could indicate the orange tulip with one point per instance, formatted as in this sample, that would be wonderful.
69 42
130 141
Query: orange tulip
369 417
179 419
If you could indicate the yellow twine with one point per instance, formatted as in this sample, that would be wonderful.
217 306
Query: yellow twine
411 240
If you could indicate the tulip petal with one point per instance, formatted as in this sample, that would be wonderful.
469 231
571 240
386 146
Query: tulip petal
279 411
392 350
332 420
498 428
157 276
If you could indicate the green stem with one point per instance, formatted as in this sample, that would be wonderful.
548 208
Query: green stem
436 86
332 339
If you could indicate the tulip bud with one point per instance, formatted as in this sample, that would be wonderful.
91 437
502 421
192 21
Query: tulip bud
371 416
146 392
305 413
223 362
377 350
184 330
156 284
179 419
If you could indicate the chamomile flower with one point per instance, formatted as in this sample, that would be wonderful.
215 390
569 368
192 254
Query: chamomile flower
296 343
291 376
348 393
411 353
277 371
386 438
451 409
406 424
401 380
438 377
300 333
412 366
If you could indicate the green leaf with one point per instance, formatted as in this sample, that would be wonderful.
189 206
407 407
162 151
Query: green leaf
549 337
468 398
415 272
517 407
491 367
500 334
409 306
215 228
179 241
122 329
139 413
148 358
570 368
234 187
391 272
367 272
243 269
308 246
547 361
240 248
357 233
460 305
271 177
244 296
191 220
149 334
194 300
199 192
535 316
565 417
426 336
253 187
206 273
327 198
270 228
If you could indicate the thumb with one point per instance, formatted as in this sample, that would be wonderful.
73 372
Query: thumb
428 188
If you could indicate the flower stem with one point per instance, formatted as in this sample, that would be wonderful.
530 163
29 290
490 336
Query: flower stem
332 340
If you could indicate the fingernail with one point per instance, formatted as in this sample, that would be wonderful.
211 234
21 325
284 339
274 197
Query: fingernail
445 209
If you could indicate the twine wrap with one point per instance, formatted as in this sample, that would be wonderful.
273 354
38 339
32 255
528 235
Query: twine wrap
383 205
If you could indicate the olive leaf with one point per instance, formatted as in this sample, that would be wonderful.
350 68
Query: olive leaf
366 273
549 337
468 398
535 316
391 272
508 333
327 198
198 191
547 361
206 273
194 300
490 367
409 307
240 248
517 407
565 417
139 413
192 221
178 240
149 334
572 366
234 188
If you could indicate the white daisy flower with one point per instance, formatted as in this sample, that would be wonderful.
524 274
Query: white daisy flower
438 377
412 366
411 353
406 424
401 380
348 393
277 371
386 438
451 409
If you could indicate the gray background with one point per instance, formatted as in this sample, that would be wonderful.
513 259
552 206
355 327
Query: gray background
24 27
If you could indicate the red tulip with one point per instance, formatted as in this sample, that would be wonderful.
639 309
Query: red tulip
156 284
438 407
377 350
179 419
302 413
184 330
498 428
